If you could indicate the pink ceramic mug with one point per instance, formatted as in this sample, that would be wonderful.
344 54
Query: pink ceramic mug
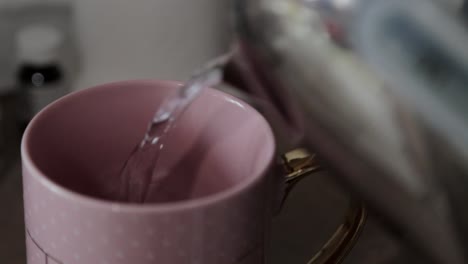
73 150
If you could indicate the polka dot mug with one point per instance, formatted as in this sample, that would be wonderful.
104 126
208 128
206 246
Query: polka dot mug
221 154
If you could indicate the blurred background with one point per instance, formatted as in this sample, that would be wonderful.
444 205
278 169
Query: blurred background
51 48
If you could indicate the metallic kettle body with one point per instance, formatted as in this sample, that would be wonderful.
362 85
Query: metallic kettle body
340 87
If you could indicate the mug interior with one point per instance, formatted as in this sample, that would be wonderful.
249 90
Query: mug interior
81 141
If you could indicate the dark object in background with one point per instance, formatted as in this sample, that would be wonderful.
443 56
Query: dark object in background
9 135
37 84
39 75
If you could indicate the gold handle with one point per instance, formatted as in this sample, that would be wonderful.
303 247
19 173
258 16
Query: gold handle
300 163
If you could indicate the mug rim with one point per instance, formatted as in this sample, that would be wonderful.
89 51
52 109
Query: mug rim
122 207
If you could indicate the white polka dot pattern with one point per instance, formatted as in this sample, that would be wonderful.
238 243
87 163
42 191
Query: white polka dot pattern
69 233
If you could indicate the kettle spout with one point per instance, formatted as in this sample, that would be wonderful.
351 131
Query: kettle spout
266 95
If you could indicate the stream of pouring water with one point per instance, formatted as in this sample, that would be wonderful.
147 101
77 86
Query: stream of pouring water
139 171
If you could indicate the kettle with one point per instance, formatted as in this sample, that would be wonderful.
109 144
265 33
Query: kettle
375 87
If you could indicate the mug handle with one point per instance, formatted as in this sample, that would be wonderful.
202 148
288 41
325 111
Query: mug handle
299 163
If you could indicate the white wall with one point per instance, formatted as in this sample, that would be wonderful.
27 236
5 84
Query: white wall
123 39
